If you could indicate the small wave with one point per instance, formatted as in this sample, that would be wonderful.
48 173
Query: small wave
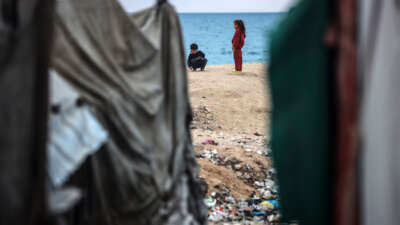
225 52
253 53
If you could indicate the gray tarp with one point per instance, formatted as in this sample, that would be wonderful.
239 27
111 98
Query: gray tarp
24 43
379 65
132 72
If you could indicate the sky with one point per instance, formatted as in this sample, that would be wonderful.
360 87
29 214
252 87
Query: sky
183 6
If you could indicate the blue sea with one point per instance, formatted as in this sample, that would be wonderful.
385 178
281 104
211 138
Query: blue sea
213 33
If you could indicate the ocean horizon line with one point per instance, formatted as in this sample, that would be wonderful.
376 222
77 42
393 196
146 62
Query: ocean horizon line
231 12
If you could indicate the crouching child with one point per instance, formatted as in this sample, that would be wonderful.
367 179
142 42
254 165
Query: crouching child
196 59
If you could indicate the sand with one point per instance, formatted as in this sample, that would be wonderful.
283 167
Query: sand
240 101
233 110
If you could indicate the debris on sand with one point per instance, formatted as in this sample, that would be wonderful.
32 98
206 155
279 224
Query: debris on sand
203 118
231 142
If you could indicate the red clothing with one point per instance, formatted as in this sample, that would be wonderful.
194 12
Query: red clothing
238 39
237 45
237 55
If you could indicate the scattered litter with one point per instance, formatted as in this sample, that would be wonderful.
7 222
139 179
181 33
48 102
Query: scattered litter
203 118
210 202
225 208
257 134
260 206
209 142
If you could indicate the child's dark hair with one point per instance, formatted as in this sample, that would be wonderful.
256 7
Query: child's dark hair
241 25
194 46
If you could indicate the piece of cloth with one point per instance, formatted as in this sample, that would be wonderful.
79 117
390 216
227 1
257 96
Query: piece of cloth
25 39
61 201
379 53
74 132
131 70
341 37
302 120
237 56
197 60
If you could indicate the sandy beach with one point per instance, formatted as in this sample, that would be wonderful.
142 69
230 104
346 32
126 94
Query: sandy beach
240 102
230 128
232 111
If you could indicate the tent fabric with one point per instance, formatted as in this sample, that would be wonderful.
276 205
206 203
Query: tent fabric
131 70
379 78
25 38
74 132
342 39
301 138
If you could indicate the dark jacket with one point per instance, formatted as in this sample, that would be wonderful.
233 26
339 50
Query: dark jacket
195 59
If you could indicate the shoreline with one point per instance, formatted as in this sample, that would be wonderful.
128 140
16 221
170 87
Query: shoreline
249 69
252 63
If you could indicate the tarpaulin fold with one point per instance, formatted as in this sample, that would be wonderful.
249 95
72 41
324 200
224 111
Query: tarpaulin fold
342 39
131 71
25 39
379 67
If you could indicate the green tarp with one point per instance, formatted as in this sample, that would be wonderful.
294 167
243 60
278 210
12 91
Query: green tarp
301 118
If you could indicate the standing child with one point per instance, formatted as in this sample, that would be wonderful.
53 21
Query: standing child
196 58
237 44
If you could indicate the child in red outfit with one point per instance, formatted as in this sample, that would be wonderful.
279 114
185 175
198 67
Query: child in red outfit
238 43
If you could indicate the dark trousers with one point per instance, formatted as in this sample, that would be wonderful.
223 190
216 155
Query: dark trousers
199 64
237 55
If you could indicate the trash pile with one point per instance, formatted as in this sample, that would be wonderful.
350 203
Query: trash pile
247 158
262 205
260 179
247 144
225 208
203 118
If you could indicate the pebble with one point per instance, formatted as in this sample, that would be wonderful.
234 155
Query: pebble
238 167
